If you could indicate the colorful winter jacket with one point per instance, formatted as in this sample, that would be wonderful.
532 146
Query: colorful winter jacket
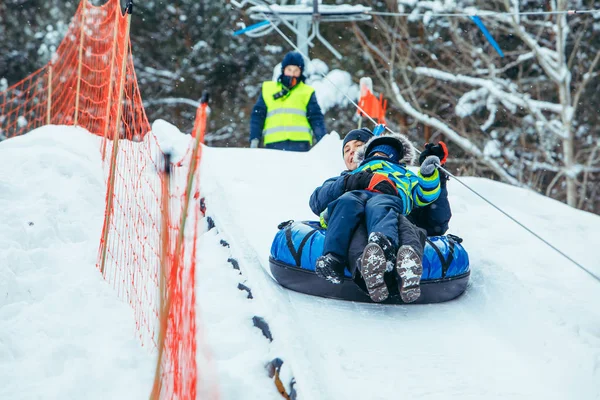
415 190
433 218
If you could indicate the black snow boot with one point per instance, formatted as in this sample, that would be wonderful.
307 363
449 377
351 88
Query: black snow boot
409 270
372 269
387 247
331 268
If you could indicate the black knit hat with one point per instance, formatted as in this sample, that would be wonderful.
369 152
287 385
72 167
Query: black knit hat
362 134
384 141
293 58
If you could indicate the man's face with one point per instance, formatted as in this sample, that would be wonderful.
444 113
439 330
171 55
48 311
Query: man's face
292 70
349 150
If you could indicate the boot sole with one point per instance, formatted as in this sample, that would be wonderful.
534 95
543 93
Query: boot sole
329 274
410 270
372 268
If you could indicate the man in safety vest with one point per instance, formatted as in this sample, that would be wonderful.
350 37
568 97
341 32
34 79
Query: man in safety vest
287 114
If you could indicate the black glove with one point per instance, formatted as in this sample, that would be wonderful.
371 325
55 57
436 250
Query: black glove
358 181
440 150
381 184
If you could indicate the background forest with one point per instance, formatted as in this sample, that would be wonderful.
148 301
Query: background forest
529 118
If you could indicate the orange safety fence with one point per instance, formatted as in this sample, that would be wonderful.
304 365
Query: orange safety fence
91 82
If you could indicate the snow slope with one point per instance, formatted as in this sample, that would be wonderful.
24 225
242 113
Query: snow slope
528 326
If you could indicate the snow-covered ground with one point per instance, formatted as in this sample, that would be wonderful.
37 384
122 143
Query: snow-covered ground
527 327
64 334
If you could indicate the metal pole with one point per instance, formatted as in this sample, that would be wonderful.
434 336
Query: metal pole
49 101
302 25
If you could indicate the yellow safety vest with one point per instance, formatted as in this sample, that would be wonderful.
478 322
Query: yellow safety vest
286 116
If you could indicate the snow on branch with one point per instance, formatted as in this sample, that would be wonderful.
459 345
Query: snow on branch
471 102
547 58
172 101
521 59
465 144
517 99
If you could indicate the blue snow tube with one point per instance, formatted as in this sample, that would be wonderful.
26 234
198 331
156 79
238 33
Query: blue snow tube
297 245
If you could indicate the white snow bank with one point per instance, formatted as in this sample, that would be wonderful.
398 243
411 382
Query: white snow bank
63 331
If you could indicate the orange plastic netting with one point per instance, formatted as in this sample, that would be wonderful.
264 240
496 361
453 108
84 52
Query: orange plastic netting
91 82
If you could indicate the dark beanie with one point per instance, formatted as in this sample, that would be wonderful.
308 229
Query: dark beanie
293 58
383 143
386 149
362 135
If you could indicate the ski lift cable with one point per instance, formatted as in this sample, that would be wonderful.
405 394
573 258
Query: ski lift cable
596 277
590 273
481 13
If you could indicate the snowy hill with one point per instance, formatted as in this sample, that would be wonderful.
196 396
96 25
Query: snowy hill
527 327
64 334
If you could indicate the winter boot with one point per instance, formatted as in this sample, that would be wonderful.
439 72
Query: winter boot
331 268
372 269
386 246
409 270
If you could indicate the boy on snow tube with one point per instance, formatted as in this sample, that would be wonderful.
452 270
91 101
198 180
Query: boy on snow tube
432 219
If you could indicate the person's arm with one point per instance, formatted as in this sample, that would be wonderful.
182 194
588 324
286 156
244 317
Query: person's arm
329 191
315 118
257 119
435 217
427 190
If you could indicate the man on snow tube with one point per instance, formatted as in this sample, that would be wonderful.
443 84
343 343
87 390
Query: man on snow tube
412 230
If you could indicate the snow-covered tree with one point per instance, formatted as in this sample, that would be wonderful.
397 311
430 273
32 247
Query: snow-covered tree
528 117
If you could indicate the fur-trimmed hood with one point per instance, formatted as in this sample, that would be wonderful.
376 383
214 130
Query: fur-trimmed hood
408 157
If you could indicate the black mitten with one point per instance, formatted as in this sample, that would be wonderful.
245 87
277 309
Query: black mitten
440 150
358 181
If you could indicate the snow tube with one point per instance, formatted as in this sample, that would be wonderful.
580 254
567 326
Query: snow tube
297 245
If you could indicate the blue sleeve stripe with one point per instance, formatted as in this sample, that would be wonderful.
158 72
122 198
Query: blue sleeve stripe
427 198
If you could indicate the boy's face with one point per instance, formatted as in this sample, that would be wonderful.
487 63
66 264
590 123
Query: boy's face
349 150
379 154
292 70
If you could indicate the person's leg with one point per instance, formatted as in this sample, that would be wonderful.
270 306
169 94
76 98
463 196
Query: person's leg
411 235
381 214
372 269
345 213
382 225
357 245
409 268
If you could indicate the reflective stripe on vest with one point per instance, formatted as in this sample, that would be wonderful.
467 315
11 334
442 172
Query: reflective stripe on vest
286 116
